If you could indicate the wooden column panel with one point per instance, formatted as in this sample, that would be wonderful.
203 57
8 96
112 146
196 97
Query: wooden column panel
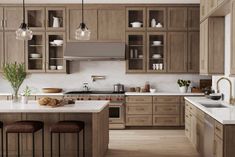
177 18
12 18
193 52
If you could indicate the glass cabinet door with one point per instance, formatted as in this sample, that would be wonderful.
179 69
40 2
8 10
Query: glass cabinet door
55 52
35 18
35 53
55 18
156 52
135 52
135 19
156 18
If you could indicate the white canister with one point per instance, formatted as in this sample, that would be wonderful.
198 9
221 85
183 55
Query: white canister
56 22
154 66
153 23
160 66
183 89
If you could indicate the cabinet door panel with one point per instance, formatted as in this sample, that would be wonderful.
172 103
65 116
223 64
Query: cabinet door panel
166 120
139 109
232 66
13 17
75 18
111 25
216 45
177 52
193 18
177 18
1 51
14 49
139 120
204 47
193 52
218 147
1 18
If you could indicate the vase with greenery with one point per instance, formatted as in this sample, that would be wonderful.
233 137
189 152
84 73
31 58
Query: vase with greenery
15 74
183 85
26 93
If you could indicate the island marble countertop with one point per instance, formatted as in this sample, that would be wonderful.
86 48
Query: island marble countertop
33 107
163 94
222 115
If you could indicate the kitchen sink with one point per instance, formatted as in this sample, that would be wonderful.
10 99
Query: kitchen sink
213 105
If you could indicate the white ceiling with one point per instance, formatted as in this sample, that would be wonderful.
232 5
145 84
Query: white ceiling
101 1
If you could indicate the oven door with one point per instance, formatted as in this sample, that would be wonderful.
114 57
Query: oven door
116 113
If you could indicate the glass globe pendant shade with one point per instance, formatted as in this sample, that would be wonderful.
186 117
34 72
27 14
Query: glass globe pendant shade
24 33
82 32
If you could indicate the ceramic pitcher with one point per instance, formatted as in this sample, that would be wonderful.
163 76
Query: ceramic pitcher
56 22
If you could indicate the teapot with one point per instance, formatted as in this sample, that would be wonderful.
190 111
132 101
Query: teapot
56 22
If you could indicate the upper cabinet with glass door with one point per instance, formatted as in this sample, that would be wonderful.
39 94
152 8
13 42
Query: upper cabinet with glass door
35 18
156 52
156 18
135 19
135 52
55 19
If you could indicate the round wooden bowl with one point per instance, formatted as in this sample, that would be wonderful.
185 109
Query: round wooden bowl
52 90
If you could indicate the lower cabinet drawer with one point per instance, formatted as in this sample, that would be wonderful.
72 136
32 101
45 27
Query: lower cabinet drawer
166 120
139 120
139 108
164 109
218 129
187 130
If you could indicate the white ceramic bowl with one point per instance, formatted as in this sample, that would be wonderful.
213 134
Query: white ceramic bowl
59 67
157 56
152 90
58 42
136 24
53 67
35 55
157 42
140 56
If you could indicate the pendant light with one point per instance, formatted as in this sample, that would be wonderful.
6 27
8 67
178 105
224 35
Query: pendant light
24 33
82 32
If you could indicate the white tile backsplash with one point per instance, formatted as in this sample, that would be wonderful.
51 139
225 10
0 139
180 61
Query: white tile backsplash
114 72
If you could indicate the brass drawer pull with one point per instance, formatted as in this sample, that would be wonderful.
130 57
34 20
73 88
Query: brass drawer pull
218 129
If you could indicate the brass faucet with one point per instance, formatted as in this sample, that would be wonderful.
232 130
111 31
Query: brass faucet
231 99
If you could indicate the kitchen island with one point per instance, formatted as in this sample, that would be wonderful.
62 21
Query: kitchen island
93 113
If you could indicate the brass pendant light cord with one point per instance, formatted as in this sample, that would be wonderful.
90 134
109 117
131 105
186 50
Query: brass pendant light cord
23 11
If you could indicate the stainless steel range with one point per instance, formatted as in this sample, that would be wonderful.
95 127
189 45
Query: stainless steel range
116 105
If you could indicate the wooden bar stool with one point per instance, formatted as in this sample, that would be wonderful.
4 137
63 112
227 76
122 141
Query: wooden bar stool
68 127
25 127
1 127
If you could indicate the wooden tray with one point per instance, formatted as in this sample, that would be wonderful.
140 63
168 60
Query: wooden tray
52 90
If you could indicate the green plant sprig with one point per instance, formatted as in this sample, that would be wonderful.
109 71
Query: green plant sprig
182 83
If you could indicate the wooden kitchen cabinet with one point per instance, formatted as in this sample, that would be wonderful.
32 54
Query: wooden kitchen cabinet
159 14
74 17
139 120
232 60
212 5
14 49
218 147
177 18
36 45
203 9
193 18
177 52
163 109
139 109
35 18
1 51
156 64
55 53
111 26
193 52
212 46
166 120
135 14
1 18
55 12
136 52
12 18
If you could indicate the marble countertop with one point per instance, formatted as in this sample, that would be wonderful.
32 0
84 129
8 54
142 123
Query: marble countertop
162 94
34 107
222 115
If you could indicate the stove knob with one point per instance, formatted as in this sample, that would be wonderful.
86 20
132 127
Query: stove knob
89 98
118 99
78 98
82 99
98 98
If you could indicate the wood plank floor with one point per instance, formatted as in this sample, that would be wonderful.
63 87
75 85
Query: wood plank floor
150 143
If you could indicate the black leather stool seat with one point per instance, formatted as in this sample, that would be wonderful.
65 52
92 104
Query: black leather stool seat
67 127
1 124
24 127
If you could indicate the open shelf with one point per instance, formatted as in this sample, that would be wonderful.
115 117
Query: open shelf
135 14
158 15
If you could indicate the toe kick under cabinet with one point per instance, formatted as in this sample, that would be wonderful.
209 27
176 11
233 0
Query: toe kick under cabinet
154 111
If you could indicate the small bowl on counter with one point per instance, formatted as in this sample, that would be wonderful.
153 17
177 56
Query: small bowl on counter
215 96
152 90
